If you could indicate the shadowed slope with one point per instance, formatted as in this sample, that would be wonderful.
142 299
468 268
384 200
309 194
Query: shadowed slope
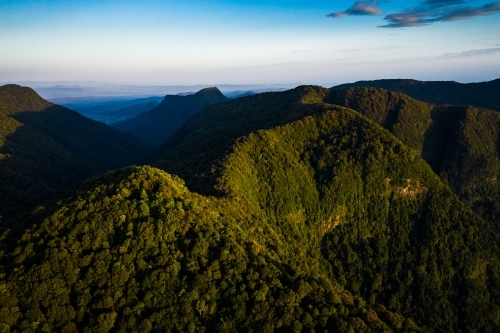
196 150
158 124
46 148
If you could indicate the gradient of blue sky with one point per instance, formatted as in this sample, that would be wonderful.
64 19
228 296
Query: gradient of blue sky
238 42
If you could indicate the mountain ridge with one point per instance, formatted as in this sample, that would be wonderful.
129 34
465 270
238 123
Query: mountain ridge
324 222
156 125
481 94
459 143
311 209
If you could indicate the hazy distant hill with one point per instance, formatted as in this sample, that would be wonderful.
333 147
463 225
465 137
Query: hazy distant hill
46 148
325 221
482 94
243 93
156 125
115 111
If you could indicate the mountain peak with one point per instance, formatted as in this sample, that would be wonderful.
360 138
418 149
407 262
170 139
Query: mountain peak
212 92
157 124
208 89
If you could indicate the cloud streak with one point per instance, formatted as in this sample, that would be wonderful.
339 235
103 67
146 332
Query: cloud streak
440 3
363 8
431 11
472 53
425 13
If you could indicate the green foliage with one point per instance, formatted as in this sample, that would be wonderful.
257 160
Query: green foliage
472 165
195 152
98 263
14 99
459 143
324 221
391 231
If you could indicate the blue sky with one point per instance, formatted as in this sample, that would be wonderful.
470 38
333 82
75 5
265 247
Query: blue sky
242 42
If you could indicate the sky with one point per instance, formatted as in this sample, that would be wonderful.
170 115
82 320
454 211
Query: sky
173 42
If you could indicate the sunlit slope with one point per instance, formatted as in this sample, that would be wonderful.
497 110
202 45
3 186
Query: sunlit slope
392 232
460 143
196 150
46 148
134 250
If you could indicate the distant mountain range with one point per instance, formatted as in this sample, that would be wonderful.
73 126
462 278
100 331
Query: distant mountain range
54 91
156 125
115 111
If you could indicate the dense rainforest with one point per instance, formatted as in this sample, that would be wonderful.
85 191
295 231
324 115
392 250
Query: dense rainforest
310 210
459 143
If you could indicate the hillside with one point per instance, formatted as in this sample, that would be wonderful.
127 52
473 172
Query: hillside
325 223
46 149
391 231
156 125
481 94
195 152
136 251
461 144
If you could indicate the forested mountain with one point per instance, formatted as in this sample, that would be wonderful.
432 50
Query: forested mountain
156 125
481 94
309 210
196 150
46 148
136 251
327 223
461 144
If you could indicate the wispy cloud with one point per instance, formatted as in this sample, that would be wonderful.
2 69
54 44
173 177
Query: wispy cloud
439 3
367 8
425 13
431 11
472 53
